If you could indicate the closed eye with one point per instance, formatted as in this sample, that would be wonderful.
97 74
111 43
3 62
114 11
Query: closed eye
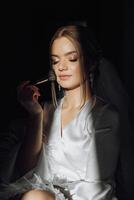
54 62
73 60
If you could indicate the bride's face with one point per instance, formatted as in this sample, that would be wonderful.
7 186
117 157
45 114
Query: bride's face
66 63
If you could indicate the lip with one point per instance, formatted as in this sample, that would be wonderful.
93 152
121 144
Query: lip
64 77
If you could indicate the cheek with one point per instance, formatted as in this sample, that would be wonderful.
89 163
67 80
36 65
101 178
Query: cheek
77 71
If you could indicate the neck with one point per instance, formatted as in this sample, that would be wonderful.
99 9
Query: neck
73 99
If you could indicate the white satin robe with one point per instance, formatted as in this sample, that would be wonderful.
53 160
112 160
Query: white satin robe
82 160
70 159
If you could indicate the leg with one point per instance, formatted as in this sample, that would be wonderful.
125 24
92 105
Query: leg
38 195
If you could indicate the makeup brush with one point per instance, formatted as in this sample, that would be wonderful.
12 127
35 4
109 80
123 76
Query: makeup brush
51 77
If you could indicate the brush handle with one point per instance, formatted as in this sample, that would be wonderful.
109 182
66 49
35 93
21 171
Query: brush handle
51 77
41 81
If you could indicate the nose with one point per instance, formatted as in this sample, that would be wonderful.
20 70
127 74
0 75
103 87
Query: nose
62 65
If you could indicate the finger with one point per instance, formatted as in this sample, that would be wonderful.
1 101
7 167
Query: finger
25 94
22 85
29 94
25 88
35 97
35 88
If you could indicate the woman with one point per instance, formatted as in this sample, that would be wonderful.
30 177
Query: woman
71 147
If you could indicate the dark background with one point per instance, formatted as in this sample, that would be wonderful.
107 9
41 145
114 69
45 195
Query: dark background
25 34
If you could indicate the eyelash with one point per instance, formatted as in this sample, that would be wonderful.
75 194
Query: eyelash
71 60
54 62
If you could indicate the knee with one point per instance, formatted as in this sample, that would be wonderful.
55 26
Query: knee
38 195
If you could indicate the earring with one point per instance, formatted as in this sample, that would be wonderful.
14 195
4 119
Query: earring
59 87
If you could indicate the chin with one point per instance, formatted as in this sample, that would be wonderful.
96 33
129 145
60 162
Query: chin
70 87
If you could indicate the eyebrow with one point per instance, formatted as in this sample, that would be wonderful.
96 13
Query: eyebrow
66 54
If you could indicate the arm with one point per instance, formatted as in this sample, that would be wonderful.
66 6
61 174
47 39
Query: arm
32 143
